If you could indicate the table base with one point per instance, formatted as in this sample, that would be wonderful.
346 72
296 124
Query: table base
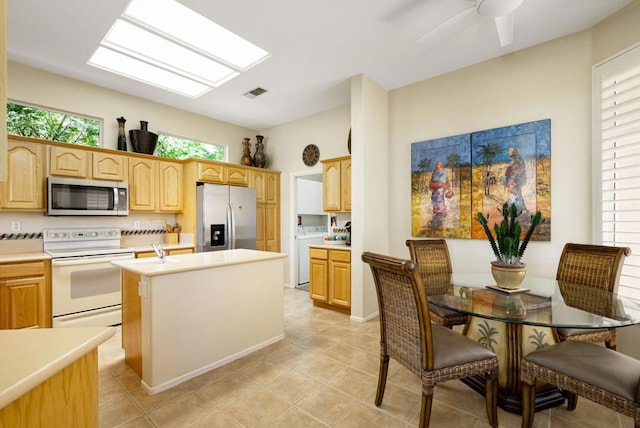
546 397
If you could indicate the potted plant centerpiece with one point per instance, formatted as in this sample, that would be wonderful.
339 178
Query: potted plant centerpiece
508 270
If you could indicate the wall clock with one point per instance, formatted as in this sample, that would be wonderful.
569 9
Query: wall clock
311 155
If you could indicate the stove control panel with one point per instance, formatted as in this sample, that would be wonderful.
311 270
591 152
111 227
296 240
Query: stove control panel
66 235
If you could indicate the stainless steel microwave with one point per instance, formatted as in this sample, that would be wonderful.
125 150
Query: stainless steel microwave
69 196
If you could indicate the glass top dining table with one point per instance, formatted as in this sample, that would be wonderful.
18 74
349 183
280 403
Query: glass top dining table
540 302
515 323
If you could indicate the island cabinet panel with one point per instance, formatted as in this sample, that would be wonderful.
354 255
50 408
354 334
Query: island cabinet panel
143 175
131 319
69 162
24 188
330 278
25 295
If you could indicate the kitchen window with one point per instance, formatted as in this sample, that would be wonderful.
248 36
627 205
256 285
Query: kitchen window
55 125
616 160
173 147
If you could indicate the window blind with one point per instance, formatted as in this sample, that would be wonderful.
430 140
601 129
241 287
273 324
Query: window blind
616 96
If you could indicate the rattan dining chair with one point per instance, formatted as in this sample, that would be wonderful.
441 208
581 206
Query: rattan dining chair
432 352
431 257
579 368
596 266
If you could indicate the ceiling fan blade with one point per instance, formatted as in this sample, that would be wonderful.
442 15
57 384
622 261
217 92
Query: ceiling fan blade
504 25
450 26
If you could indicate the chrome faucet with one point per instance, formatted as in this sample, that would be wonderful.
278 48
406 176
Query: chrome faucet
159 252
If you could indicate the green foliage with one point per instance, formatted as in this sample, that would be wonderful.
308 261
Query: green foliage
50 125
178 148
506 245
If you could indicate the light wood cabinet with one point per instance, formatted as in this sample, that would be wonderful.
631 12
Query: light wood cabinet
237 176
170 186
210 172
82 163
109 166
330 278
155 185
336 184
267 186
24 188
69 162
143 175
25 295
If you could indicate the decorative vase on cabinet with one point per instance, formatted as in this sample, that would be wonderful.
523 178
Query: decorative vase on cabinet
142 140
246 155
259 158
122 136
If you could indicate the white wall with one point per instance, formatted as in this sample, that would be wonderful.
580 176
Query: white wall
284 144
553 81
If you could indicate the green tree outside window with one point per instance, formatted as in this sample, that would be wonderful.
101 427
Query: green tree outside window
52 125
173 147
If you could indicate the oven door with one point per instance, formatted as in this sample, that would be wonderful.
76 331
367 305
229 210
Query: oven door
84 284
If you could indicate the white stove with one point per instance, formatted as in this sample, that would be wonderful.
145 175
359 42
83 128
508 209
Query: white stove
85 286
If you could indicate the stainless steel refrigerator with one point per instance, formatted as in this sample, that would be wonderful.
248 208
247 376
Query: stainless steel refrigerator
226 217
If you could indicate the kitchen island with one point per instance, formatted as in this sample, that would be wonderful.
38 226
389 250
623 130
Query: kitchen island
196 312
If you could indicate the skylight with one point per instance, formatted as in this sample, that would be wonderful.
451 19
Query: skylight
165 44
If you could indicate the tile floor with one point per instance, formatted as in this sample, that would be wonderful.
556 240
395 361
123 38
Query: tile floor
324 373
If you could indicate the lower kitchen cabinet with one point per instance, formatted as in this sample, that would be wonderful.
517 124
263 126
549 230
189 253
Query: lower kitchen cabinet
330 278
25 294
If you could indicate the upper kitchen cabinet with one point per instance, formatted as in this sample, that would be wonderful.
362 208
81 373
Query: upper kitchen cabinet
82 163
214 172
142 178
336 181
154 185
24 188
170 196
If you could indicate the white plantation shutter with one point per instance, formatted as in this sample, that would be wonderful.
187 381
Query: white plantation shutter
616 123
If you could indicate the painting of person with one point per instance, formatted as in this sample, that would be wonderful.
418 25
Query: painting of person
439 187
515 177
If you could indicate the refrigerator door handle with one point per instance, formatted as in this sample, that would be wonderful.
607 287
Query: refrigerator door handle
231 224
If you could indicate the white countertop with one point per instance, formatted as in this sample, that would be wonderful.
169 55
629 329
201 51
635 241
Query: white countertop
23 257
31 356
344 247
188 262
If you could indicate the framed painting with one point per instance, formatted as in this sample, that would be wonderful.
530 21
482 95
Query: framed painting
512 164
441 187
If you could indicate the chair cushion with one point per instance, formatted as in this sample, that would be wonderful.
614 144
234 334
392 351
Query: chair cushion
442 312
592 364
451 348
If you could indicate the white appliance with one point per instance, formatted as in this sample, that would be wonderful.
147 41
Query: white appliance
307 235
226 217
70 196
85 286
